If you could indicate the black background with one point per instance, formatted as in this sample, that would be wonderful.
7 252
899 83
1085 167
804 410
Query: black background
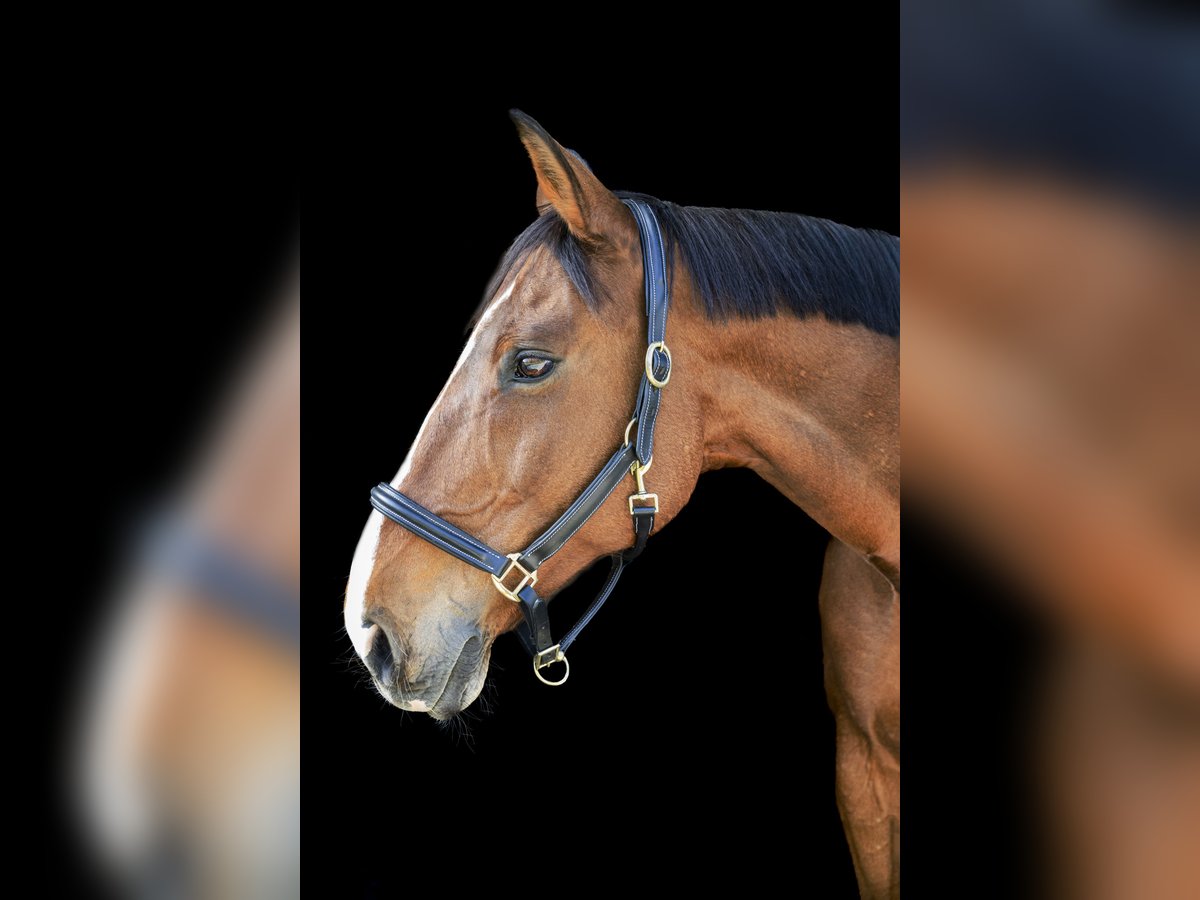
707 755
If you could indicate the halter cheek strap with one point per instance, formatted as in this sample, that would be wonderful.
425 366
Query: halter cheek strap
515 574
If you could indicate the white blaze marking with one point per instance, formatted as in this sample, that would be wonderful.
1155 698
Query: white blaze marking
360 575
120 810
404 468
364 555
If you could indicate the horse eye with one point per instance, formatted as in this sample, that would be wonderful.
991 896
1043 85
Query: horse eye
533 366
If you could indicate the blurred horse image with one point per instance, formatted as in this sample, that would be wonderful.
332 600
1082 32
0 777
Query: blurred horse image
1050 283
189 750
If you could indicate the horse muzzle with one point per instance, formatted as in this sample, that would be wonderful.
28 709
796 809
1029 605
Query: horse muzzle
440 681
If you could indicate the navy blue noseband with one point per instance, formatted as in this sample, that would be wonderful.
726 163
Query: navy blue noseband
515 574
222 577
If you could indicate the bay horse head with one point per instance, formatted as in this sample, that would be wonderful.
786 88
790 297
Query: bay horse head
539 398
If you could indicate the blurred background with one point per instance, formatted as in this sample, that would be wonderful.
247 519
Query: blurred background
154 359
1050 296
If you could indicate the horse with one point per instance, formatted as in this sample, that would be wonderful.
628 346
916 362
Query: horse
781 355
1050 389
188 766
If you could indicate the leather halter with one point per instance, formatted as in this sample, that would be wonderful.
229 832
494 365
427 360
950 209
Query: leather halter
223 578
515 574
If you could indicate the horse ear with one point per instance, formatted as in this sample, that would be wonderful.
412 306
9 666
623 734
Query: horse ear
541 200
566 184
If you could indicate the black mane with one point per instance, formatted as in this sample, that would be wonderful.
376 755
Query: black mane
749 263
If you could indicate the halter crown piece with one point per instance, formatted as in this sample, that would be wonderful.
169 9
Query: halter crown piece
515 574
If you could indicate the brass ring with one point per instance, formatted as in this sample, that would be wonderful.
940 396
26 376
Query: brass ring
657 345
629 428
567 674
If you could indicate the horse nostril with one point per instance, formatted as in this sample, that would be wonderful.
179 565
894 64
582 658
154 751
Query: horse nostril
380 661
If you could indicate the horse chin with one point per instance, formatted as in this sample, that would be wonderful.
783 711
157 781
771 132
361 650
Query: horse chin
461 689
462 684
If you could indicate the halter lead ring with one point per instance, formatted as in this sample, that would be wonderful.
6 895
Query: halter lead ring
634 457
547 658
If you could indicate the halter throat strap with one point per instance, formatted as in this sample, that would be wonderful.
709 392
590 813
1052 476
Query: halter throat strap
515 574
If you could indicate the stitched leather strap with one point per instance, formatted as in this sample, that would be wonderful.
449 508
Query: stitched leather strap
405 511
433 528
643 524
416 518
222 578
535 631
654 265
592 498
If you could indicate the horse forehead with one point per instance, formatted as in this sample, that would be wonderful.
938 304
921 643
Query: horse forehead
541 284
543 304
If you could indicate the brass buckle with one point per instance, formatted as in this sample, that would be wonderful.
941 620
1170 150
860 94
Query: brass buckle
645 497
549 657
527 578
657 345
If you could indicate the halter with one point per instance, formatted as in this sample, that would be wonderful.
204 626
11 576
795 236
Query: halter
223 578
515 574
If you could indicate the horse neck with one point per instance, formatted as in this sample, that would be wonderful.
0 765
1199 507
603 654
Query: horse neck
813 407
